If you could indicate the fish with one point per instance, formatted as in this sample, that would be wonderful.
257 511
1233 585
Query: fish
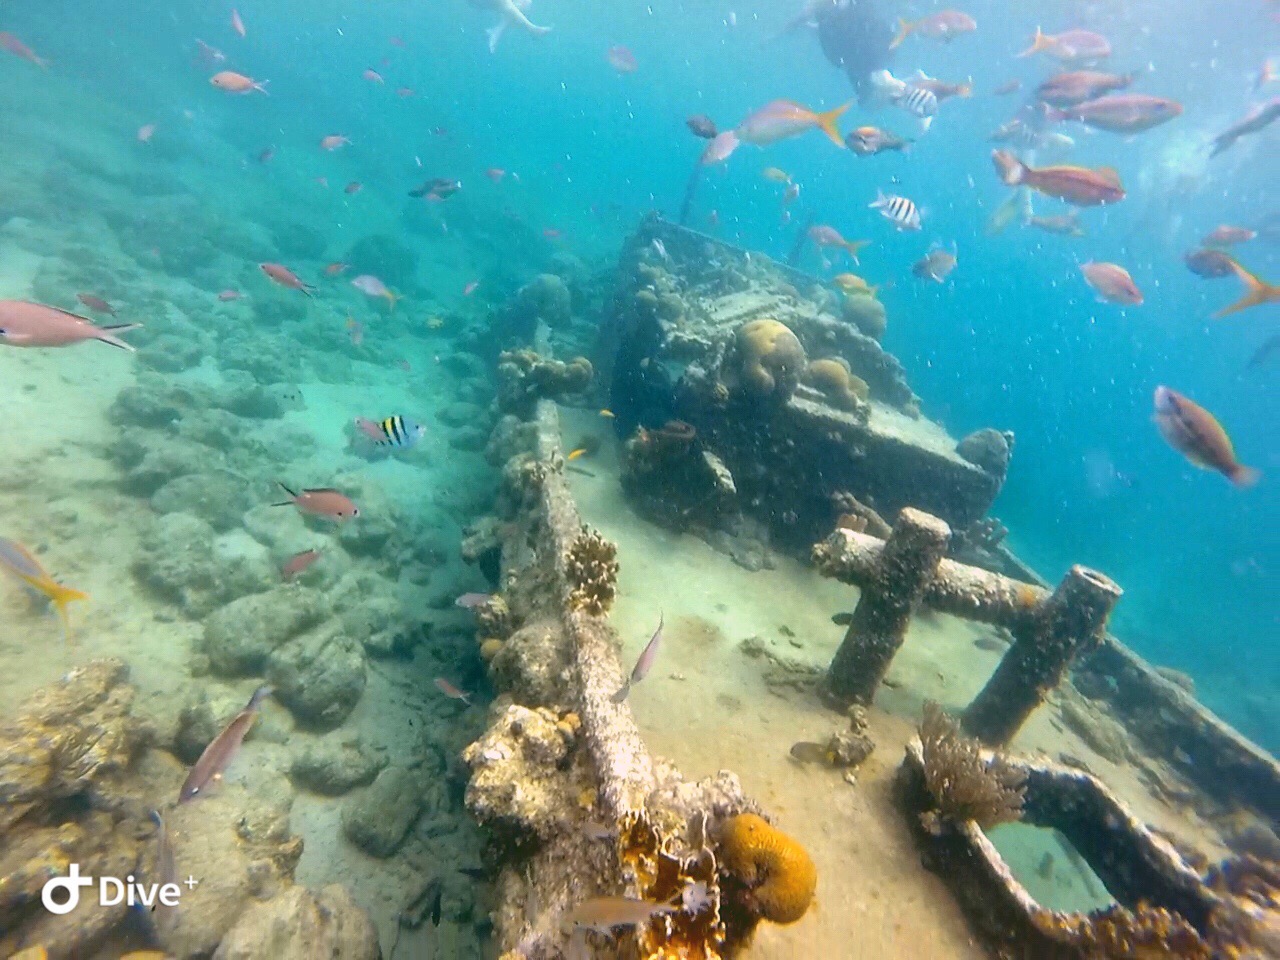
1210 264
450 691
719 148
236 23
940 88
1270 348
780 119
335 268
790 194
1016 207
495 174
469 601
1256 119
607 414
622 59
394 431
471 287
512 13
95 303
826 236
602 914
321 502
1196 434
1074 87
1070 46
166 865
1122 113
868 141
298 564
700 125
371 286
1006 88
945 25
576 453
806 751
1067 225
267 155
222 749
919 102
899 211
286 277
19 49
1257 293
209 55
334 141
226 296
404 92
1266 74
644 663
775 175
1226 236
373 76
437 189
1076 185
19 562
355 330
146 132
936 265
1112 283
233 82
852 283
27 324
355 186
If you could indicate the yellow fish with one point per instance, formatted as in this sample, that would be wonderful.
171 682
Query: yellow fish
31 953
575 454
775 175
20 562
852 283
607 413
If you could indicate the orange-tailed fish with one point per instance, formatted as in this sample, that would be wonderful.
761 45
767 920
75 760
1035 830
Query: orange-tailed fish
27 324
1078 185
575 454
233 82
21 563
775 175
321 502
1196 434
644 663
222 749
785 118
827 236
945 25
1070 46
1257 292
371 286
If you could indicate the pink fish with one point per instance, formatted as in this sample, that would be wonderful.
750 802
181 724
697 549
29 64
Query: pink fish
945 25
373 76
371 286
396 42
450 691
1070 46
146 132
404 92
236 23
355 186
470 288
785 118
495 174
226 296
719 148
469 601
233 82
95 303
643 664
333 141
321 502
296 565
217 756
19 49
208 55
370 428
335 268
622 59
285 277
26 324
1112 283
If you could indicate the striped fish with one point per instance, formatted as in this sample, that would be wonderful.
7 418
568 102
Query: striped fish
900 211
394 431
919 102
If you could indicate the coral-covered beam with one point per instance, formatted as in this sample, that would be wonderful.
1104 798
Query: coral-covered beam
905 564
1070 622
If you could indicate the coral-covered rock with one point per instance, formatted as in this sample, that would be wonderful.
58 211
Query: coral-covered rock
319 676
240 637
765 361
865 313
182 560
524 377
386 258
989 449
299 925
217 496
779 874
832 377
377 818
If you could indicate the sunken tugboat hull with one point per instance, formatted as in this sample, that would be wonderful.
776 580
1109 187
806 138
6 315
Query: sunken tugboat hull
752 396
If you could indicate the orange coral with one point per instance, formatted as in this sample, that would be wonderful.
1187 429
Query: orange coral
779 873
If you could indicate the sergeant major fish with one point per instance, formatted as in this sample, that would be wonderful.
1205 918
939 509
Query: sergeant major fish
392 432
899 211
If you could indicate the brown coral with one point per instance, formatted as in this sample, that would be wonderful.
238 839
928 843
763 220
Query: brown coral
964 786
1148 933
525 376
779 874
866 313
592 569
832 377
766 360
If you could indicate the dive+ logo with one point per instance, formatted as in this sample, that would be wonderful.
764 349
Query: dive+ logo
111 892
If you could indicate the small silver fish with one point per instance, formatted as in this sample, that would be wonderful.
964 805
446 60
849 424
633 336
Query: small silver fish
222 749
643 665
602 914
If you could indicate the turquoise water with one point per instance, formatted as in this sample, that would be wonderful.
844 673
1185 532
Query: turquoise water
1014 339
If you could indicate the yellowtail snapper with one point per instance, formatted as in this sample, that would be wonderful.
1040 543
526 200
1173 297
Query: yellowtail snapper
21 563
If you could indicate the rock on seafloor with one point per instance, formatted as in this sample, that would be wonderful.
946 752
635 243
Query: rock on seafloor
332 765
377 819
300 925
240 637
319 676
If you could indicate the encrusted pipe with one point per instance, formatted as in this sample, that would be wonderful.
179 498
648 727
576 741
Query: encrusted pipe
905 565
1071 621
